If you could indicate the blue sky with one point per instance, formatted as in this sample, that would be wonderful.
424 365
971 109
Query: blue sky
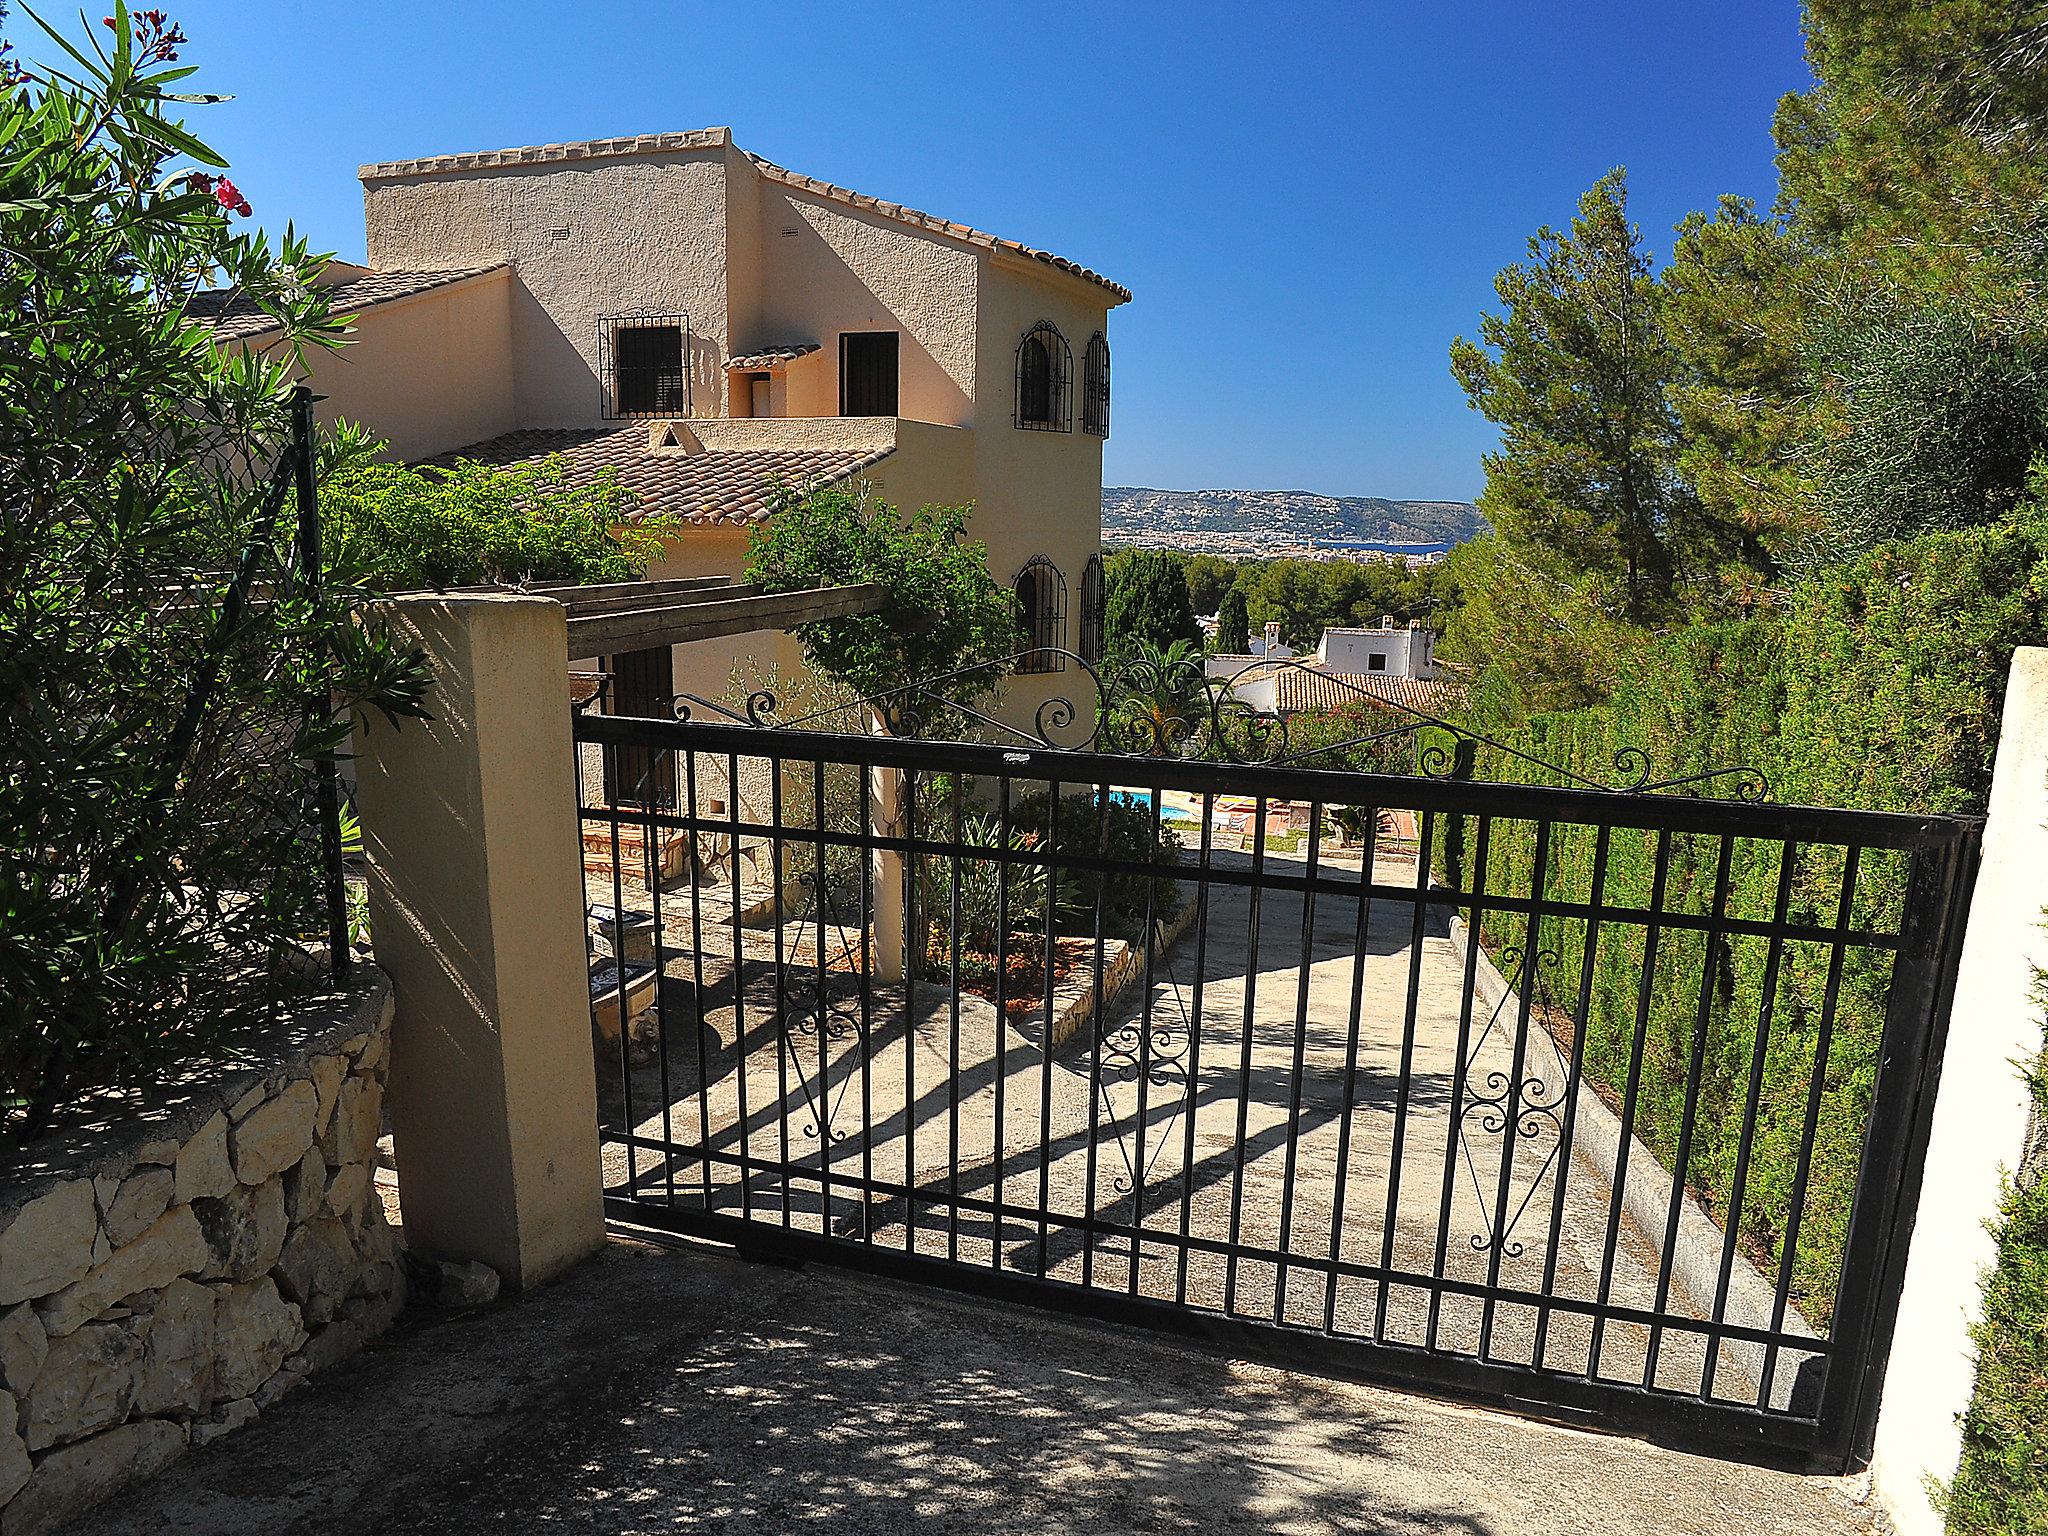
1308 202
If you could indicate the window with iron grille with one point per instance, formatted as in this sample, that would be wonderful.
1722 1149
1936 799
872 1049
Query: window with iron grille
1095 387
1042 615
1045 380
643 363
1094 597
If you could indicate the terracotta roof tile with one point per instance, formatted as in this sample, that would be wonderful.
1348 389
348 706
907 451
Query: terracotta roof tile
235 317
1299 689
704 488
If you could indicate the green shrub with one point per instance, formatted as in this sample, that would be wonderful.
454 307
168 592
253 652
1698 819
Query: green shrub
1877 687
1095 827
2001 1487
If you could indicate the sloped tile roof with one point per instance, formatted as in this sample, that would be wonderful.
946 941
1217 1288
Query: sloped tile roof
235 317
1300 689
770 357
705 488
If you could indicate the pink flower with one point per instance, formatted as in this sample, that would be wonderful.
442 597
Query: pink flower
230 197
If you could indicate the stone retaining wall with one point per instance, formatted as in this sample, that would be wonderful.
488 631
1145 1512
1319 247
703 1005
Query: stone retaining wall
175 1260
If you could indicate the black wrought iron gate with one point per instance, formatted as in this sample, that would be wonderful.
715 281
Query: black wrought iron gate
1310 1119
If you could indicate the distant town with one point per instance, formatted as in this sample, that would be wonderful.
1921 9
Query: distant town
1269 525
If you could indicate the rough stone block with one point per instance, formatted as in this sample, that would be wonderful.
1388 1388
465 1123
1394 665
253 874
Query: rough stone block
50 1242
87 1382
328 1071
175 1375
373 1055
463 1285
331 1345
224 1419
358 1117
23 1344
254 1329
164 1152
140 1199
318 1268
244 1229
203 1169
275 1134
289 1377
348 1192
305 1186
14 1463
173 1246
71 1481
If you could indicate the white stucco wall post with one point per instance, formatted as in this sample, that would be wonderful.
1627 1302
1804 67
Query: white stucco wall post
1980 1120
476 910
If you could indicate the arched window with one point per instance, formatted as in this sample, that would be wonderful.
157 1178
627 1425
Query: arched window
1045 380
1094 597
1095 387
1041 615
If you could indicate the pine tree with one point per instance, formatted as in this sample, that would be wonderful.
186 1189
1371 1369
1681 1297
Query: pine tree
1574 373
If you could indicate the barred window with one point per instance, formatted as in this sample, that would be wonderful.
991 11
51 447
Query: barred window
1041 615
1045 380
1094 597
643 365
1095 387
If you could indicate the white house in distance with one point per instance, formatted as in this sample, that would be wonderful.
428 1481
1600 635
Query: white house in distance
708 325
1391 664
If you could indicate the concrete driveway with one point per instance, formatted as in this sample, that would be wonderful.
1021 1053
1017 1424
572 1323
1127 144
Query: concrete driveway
677 1388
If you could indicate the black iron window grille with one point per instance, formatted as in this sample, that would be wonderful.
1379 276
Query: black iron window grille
1045 380
643 365
1042 614
1094 598
1095 387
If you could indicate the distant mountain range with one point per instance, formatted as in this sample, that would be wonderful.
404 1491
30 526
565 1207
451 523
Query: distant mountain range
1275 522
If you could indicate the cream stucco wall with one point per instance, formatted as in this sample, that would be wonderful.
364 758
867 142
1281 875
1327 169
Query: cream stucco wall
587 239
1036 493
430 372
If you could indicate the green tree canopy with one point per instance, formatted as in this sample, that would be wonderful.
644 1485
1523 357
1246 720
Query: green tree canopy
1574 372
1233 624
1148 604
394 527
943 610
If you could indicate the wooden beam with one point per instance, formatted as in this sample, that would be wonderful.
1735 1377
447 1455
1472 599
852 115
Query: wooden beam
628 602
573 592
606 633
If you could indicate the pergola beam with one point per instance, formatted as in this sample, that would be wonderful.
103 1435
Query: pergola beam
676 618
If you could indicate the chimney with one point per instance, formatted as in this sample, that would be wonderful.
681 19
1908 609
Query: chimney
1386 621
1272 636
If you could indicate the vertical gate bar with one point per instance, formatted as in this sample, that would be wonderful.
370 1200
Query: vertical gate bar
1810 1125
1194 1092
1895 1149
1290 1160
1454 1127
1688 1119
953 1059
782 1040
739 988
1244 1063
1096 1091
821 905
1581 1026
865 847
651 863
995 1241
1752 1109
1511 1107
913 962
1348 1102
1141 1136
619 974
1628 1100
1419 923
697 972
1052 897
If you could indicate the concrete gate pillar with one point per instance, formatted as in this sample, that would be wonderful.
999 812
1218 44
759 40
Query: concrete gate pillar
476 910
891 869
